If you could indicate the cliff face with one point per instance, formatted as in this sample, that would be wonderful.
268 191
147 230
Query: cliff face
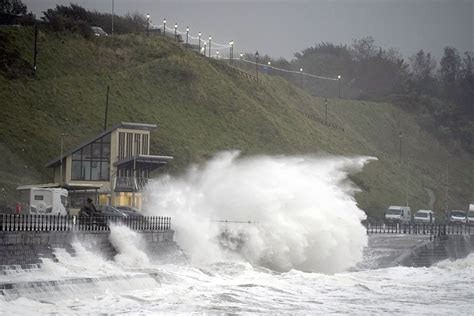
202 107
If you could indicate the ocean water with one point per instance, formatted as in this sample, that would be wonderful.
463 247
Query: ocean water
237 287
301 253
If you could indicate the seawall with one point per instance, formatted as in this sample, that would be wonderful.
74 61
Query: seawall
26 248
444 247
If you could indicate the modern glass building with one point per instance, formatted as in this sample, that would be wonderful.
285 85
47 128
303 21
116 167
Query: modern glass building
113 167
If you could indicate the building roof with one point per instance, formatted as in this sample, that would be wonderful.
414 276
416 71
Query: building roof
68 186
150 162
138 126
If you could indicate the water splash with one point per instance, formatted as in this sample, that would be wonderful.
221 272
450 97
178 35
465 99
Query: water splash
305 213
129 246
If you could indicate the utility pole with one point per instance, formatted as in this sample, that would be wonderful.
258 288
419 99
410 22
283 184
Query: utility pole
406 187
106 108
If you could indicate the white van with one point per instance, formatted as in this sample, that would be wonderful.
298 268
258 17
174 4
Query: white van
398 214
470 214
424 217
42 201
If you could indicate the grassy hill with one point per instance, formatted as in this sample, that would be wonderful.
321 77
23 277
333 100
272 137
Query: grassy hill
201 107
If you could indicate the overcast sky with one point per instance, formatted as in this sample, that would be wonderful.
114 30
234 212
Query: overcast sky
281 28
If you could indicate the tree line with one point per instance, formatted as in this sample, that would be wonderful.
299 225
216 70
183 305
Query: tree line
441 90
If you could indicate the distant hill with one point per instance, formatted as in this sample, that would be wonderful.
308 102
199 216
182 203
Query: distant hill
203 106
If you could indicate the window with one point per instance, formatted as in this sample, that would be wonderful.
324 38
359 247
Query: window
129 144
92 162
144 144
121 145
137 144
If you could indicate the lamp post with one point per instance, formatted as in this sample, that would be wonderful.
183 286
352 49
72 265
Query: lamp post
326 112
400 148
217 54
241 56
164 27
256 63
199 41
176 31
112 18
231 43
339 81
187 35
301 78
61 160
147 23
210 38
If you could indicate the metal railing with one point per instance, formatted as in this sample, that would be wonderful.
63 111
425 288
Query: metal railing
433 230
129 184
43 223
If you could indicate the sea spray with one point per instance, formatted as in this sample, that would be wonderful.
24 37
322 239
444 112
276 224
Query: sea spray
129 246
302 211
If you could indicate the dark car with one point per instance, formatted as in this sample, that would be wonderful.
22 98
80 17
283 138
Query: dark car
129 210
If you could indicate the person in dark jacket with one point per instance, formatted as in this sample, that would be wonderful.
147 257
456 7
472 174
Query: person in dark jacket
88 210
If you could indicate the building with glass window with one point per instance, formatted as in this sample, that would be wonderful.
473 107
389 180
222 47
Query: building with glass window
113 167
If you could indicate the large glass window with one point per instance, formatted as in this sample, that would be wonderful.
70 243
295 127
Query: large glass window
92 162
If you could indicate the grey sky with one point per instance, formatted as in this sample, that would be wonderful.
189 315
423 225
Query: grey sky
281 28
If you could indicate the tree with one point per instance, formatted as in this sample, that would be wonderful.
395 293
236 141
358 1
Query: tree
12 7
422 72
450 66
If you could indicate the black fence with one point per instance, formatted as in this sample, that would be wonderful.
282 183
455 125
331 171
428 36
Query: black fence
433 230
36 223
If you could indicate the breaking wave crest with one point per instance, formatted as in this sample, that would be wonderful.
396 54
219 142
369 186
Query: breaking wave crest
302 211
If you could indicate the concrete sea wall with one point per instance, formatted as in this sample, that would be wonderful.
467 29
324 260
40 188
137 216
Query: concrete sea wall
26 248
444 247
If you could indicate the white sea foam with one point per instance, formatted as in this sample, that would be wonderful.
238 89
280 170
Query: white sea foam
129 246
303 208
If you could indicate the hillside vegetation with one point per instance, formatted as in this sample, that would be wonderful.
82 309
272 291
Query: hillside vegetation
203 106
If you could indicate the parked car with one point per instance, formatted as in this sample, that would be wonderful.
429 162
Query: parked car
129 210
457 217
470 215
424 217
398 214
98 31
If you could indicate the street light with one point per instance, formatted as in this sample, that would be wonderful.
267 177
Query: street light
199 40
241 56
210 38
164 27
339 80
256 62
176 31
231 43
61 160
187 35
301 77
112 18
326 115
400 148
147 23
217 54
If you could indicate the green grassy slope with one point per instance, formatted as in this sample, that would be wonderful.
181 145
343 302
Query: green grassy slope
201 107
